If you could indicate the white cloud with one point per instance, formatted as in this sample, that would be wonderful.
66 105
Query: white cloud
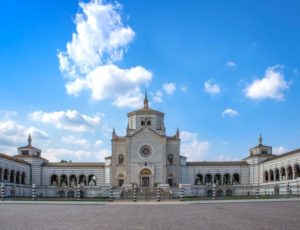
102 154
279 150
223 157
212 88
58 154
270 86
192 147
13 134
230 113
67 120
69 139
169 88
131 99
98 143
231 64
101 39
7 114
157 96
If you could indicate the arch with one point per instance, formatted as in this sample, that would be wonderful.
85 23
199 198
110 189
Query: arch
199 179
271 175
71 194
12 174
297 170
92 180
23 176
217 179
121 179
72 180
54 180
266 176
209 192
208 179
82 180
276 174
219 192
5 174
61 193
283 173
145 172
276 190
18 177
63 180
289 173
121 159
1 174
229 192
226 179
170 159
148 122
236 178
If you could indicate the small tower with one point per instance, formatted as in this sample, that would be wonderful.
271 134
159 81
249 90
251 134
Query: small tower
146 101
114 133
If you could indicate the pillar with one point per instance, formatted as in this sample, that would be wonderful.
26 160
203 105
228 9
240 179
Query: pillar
33 192
2 191
181 194
158 194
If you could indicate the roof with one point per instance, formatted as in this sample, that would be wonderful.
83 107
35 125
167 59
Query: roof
143 111
28 147
29 156
13 158
74 164
260 155
284 155
218 163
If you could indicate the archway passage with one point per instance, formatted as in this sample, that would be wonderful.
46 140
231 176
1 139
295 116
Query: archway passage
145 177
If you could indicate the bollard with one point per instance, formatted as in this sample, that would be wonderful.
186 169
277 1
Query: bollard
78 192
213 191
33 192
257 191
134 195
158 194
287 190
181 194
111 196
2 192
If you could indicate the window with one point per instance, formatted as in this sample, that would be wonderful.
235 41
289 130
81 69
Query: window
170 159
121 159
145 151
25 152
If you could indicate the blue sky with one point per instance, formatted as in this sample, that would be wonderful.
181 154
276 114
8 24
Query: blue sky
222 72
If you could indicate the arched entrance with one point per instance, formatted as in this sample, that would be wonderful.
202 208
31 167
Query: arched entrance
145 177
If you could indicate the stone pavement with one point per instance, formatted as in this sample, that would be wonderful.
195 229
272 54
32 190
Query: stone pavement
234 216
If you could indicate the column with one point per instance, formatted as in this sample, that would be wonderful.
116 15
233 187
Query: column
280 175
294 172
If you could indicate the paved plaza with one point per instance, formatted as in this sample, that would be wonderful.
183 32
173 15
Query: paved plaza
260 215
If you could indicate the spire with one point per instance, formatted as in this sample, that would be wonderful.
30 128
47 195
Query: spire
177 134
260 139
114 132
29 140
146 100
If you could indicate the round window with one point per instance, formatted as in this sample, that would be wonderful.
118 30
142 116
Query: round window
145 150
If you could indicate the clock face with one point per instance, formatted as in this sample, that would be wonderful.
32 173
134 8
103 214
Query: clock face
145 151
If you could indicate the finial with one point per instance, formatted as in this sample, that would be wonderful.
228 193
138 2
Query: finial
29 140
260 139
114 132
146 100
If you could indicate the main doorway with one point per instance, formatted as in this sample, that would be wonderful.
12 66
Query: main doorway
145 180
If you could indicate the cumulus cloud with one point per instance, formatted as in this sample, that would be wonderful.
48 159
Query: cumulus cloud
89 62
231 64
67 120
13 134
223 157
169 88
157 96
192 147
230 113
212 88
70 139
270 86
279 150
